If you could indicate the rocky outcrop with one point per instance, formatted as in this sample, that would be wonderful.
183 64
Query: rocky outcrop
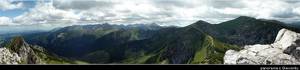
284 50
6 57
19 52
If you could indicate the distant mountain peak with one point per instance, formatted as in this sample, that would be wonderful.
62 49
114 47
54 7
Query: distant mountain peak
154 24
245 17
272 21
200 23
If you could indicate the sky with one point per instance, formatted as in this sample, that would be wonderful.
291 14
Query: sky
48 14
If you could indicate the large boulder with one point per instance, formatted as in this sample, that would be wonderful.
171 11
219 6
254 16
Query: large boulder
284 50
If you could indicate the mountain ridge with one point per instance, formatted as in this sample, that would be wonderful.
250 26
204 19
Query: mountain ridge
198 43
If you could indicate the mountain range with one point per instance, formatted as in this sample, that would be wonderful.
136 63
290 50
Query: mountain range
198 43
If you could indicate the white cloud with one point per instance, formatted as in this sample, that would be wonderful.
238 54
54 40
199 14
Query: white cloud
297 11
164 12
268 9
46 13
5 20
9 5
82 4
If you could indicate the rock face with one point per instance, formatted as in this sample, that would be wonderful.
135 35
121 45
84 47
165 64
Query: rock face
6 57
19 52
284 50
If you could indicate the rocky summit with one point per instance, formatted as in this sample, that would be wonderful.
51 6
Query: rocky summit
284 50
19 52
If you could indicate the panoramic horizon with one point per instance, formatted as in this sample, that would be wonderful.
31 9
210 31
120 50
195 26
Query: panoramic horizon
49 14
202 32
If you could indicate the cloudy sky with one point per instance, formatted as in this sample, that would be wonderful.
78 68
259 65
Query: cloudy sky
41 14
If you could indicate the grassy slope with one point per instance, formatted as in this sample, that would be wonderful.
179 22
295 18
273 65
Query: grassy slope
50 59
211 52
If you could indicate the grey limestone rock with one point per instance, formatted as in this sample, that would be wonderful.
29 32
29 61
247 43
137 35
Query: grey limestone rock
284 50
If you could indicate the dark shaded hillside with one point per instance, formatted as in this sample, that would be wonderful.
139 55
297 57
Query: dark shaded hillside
75 41
244 30
295 25
170 45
